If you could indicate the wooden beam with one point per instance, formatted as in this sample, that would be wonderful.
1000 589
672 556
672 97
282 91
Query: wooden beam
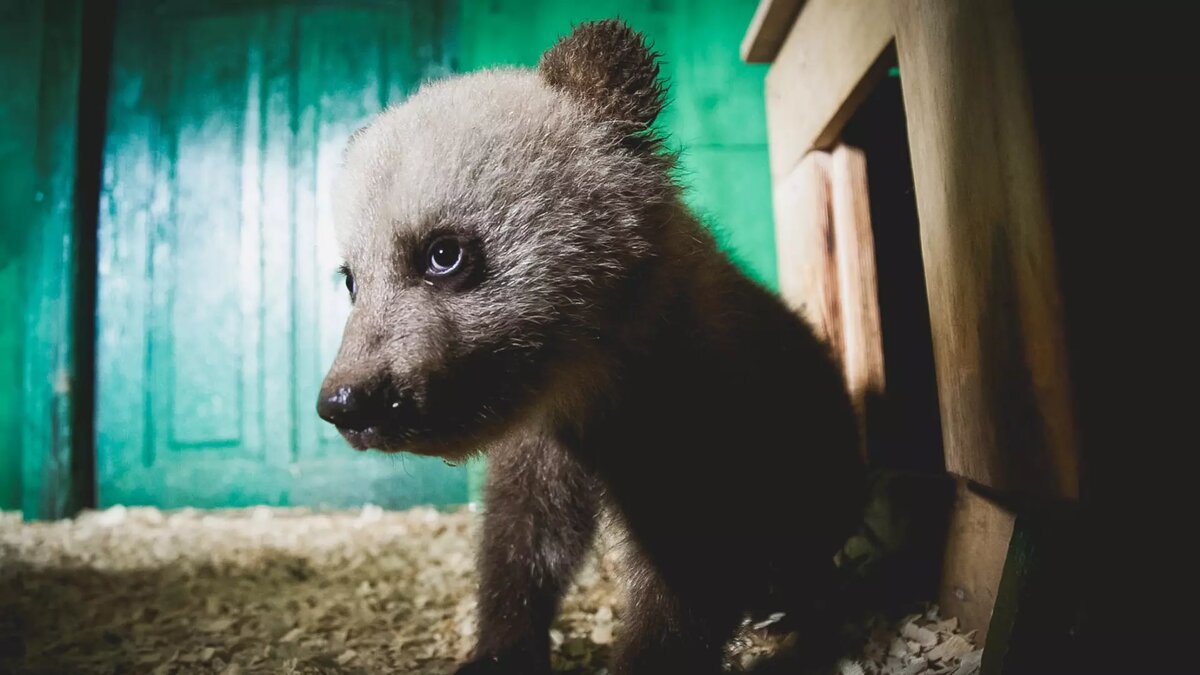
976 549
804 245
825 68
770 25
989 258
858 298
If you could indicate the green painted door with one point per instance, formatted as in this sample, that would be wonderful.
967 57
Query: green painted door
219 307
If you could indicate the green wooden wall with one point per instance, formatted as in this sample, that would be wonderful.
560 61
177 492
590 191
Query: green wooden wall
216 310
220 307
40 62
20 66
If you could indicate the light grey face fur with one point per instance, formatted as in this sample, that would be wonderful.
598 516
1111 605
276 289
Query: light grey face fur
555 205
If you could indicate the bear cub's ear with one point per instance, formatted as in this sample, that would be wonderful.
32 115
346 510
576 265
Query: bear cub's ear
608 65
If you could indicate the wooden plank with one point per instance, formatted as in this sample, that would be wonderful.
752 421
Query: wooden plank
827 65
804 246
826 263
768 28
976 548
858 299
994 305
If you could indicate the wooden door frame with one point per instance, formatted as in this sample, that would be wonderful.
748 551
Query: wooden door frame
991 275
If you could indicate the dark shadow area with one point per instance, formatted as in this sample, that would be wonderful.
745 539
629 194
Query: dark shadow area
905 425
1119 140
95 62
902 542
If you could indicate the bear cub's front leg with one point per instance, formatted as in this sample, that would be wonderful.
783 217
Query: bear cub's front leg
540 520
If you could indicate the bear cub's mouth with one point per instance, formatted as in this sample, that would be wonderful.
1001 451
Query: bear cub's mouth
380 438
362 439
391 440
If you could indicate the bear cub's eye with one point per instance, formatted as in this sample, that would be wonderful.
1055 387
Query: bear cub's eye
351 284
445 256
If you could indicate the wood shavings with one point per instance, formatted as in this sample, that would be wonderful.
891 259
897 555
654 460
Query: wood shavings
267 590
952 648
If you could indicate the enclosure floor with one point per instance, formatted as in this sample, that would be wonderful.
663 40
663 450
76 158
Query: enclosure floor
290 591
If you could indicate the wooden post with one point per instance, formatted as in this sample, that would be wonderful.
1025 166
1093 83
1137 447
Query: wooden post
988 252
976 547
994 303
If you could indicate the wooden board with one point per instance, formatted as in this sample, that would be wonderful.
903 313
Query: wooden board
770 25
989 257
804 245
826 66
826 263
854 252
976 548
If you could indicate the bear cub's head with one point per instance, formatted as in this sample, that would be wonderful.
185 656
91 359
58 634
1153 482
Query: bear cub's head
494 227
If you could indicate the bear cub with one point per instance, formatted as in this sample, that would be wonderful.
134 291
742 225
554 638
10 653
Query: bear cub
527 282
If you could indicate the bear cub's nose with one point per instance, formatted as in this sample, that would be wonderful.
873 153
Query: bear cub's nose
352 407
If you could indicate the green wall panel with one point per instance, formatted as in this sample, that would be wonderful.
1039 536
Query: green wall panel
40 58
20 67
219 306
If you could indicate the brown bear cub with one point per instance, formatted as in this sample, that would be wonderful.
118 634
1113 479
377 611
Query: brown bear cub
527 282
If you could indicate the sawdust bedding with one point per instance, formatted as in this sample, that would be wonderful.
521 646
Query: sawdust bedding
290 591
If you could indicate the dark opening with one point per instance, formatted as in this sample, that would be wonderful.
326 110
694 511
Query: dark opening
95 61
911 495
905 431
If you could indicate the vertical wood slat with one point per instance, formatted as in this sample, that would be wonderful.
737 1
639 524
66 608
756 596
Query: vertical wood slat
989 258
857 290
826 258
804 244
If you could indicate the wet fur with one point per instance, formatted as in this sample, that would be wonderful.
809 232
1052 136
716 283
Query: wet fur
608 356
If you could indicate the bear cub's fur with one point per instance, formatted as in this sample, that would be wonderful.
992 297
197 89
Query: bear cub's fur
527 281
